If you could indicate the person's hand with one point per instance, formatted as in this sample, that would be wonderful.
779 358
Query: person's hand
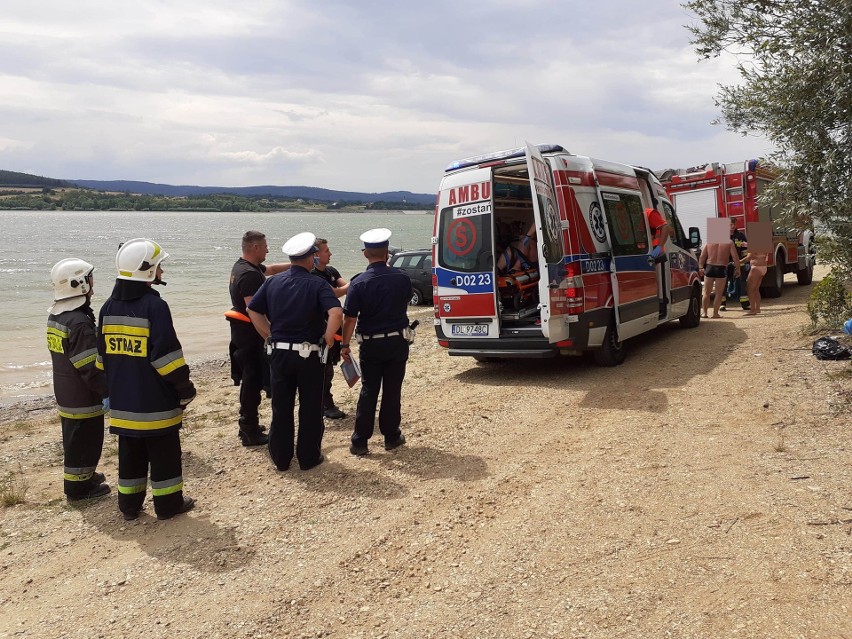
346 354
329 339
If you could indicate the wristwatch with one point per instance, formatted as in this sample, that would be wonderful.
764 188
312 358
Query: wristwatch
344 346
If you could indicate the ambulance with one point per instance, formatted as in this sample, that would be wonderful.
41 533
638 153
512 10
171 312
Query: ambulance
538 252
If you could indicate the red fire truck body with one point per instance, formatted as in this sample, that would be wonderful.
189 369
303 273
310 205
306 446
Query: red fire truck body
732 191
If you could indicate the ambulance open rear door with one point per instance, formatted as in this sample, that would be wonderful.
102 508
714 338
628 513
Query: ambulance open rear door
554 321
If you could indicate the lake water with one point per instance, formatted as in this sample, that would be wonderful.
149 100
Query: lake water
202 249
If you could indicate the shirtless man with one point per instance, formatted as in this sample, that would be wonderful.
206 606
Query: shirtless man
715 257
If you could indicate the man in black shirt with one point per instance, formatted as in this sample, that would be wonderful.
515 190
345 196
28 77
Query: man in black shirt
736 288
248 364
301 315
378 302
323 269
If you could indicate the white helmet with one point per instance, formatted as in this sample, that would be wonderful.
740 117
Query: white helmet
71 284
137 260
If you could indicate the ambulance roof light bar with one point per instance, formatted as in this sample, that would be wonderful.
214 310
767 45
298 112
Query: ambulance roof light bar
500 155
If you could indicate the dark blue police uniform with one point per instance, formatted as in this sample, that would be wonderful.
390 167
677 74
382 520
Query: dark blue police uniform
379 299
296 304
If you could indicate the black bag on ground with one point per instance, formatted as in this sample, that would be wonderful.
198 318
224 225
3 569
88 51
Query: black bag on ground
830 348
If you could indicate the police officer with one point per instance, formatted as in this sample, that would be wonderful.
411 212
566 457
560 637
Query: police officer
378 302
291 310
148 381
249 366
79 386
323 269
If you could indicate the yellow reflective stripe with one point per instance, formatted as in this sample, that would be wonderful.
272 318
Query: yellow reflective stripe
132 424
99 363
83 477
123 329
56 330
87 360
167 363
126 273
132 486
80 412
168 487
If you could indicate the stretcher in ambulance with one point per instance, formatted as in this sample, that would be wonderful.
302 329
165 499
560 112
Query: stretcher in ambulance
539 252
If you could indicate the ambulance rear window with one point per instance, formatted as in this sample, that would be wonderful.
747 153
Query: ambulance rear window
465 243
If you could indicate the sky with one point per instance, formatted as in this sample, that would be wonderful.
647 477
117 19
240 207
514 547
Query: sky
366 95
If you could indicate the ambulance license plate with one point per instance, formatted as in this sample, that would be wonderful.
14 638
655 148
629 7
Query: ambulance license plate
471 330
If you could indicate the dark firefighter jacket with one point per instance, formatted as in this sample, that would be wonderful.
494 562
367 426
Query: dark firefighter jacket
148 378
79 386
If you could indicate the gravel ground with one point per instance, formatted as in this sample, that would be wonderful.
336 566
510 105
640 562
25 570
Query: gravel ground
702 489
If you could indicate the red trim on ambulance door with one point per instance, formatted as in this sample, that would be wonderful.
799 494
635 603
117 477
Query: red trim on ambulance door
473 305
636 285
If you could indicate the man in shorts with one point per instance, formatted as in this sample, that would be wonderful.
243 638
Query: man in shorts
713 267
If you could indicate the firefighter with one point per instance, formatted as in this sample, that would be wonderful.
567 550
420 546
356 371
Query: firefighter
148 381
79 386
378 303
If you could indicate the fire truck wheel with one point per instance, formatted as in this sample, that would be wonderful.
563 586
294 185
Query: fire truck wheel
693 315
612 351
773 280
806 275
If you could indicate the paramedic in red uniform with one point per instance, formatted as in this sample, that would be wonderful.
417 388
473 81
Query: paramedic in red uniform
300 315
79 385
148 380
249 367
378 303
660 231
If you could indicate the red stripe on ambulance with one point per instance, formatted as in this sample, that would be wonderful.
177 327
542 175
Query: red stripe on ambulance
473 305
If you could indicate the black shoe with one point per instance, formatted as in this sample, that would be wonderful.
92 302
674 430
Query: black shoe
334 413
319 460
187 505
95 491
359 449
390 444
130 516
256 438
98 478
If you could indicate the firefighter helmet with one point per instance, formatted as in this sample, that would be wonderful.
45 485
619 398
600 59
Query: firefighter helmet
137 260
70 278
72 282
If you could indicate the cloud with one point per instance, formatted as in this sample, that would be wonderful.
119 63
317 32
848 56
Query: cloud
370 96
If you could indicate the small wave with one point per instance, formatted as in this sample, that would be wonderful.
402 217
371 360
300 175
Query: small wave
16 270
9 366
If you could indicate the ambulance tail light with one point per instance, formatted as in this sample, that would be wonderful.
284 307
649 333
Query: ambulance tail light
444 343
574 298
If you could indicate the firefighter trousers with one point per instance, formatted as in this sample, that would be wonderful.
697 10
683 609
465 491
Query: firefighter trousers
82 443
162 453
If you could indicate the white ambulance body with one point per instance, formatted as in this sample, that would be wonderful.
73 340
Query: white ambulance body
594 284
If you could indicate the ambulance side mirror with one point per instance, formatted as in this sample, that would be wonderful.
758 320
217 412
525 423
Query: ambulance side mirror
694 237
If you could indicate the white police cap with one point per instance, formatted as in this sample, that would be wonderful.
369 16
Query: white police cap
300 245
376 238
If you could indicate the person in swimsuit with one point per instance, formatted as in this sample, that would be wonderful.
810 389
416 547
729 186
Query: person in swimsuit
755 277
520 255
715 258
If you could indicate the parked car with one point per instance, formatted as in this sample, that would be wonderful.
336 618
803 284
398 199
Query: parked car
418 266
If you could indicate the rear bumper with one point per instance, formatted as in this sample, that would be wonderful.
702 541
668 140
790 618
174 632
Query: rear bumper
503 353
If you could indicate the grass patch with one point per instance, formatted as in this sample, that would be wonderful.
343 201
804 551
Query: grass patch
13 487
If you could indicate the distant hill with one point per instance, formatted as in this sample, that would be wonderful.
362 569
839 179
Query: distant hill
305 192
13 179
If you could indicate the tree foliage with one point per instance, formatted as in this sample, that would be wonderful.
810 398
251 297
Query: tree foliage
795 60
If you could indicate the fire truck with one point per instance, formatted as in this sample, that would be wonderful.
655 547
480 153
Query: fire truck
732 191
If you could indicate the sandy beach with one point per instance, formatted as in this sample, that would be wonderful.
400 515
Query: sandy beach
701 489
